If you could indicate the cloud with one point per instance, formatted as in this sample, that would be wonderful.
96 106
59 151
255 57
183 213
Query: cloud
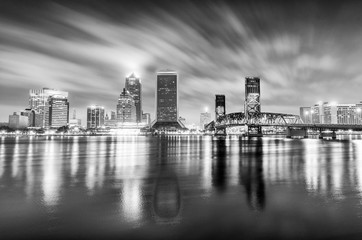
88 51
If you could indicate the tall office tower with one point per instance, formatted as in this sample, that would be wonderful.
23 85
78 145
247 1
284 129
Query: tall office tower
252 99
40 100
219 106
113 115
95 116
58 113
167 101
126 108
134 87
305 114
205 118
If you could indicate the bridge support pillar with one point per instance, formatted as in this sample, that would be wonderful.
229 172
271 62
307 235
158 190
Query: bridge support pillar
220 132
296 132
254 131
332 135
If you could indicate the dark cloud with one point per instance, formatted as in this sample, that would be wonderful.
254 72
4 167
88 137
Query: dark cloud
303 51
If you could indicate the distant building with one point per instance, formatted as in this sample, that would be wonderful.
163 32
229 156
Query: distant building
126 108
134 87
74 122
146 118
113 115
335 113
167 102
52 105
95 116
17 121
57 114
205 118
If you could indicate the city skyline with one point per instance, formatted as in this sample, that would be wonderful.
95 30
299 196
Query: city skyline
301 56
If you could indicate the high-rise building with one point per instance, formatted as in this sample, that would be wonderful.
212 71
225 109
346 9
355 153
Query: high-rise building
58 112
219 106
134 87
17 121
40 100
74 122
167 101
126 108
95 116
113 115
205 118
336 113
252 99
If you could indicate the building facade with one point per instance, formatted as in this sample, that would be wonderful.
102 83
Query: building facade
17 121
47 103
126 108
335 113
95 116
167 117
134 87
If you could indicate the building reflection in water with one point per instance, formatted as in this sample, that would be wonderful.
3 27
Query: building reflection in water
52 179
167 198
218 167
251 172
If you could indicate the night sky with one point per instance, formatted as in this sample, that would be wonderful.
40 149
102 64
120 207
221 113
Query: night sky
303 52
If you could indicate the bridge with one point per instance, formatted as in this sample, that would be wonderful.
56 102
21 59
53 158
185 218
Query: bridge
254 120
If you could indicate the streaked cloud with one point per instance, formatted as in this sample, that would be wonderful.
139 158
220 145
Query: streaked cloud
89 49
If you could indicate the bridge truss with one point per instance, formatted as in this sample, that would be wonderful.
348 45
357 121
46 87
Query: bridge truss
263 119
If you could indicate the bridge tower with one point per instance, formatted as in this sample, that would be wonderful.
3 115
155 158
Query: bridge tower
219 114
252 105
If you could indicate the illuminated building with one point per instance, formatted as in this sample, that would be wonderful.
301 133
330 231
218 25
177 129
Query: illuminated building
40 100
134 87
57 114
95 116
17 121
167 102
335 113
126 108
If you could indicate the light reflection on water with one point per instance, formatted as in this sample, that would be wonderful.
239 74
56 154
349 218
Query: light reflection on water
119 183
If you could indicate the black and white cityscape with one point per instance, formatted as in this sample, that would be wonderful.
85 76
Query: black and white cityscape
180 120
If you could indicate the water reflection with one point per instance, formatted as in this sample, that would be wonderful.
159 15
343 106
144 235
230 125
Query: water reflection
137 181
251 172
167 198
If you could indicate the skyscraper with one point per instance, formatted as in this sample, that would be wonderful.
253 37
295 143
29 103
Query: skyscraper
57 112
126 108
40 100
252 99
134 87
305 114
95 116
167 101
